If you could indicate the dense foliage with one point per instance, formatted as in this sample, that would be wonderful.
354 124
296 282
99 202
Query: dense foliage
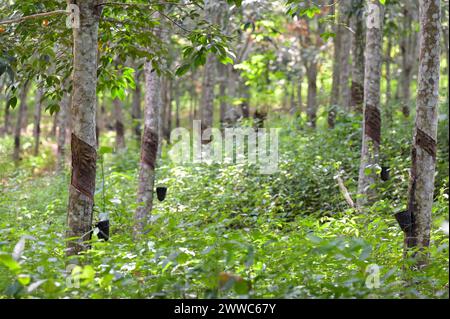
287 235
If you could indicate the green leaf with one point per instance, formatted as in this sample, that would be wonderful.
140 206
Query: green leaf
105 150
7 260
12 102
182 69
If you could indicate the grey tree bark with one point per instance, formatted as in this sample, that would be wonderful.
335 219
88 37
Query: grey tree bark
371 138
358 46
136 113
149 149
119 125
336 77
62 134
387 103
6 117
421 186
37 121
83 139
207 109
408 47
311 106
346 40
19 124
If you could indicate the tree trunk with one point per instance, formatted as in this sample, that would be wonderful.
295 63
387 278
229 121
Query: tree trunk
149 149
311 108
359 38
299 97
20 114
421 186
177 93
224 120
346 40
136 113
37 121
62 127
408 47
372 116
7 119
120 127
208 94
169 110
387 103
83 139
336 78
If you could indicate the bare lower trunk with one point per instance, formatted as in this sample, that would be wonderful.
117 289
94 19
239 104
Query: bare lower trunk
421 187
20 114
346 40
299 97
6 127
136 113
61 137
149 150
83 139
223 69
311 108
336 78
177 105
387 103
119 125
372 116
54 125
169 110
37 121
408 48
358 45
208 94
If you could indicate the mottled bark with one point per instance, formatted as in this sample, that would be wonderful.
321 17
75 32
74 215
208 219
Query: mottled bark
421 186
20 114
62 134
299 109
387 103
37 120
6 126
311 106
346 40
372 116
119 125
136 113
207 110
358 46
149 149
408 47
83 139
168 110
177 105
336 77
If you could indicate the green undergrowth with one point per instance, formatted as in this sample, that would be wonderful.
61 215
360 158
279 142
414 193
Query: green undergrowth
285 235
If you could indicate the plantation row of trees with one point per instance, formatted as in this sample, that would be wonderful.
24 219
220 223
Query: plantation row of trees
221 62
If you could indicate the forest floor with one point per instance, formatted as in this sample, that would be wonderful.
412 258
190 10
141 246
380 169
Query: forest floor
225 231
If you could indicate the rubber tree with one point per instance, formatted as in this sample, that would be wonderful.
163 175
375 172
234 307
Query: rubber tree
136 113
62 119
371 138
83 139
358 46
37 120
408 48
421 184
149 148
336 77
346 40
21 113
